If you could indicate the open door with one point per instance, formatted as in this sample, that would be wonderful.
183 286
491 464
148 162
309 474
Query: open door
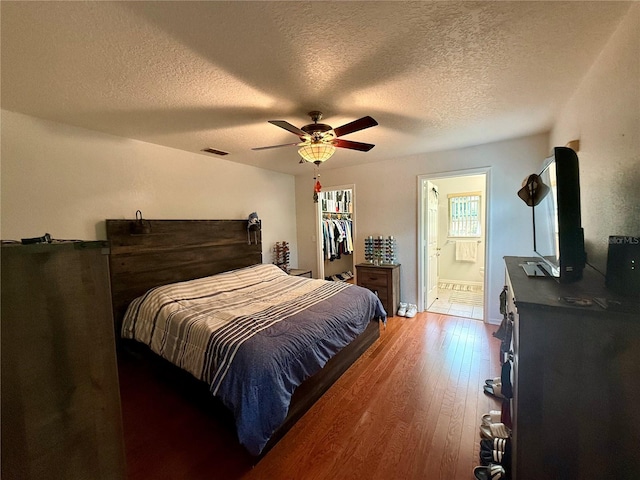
440 273
432 251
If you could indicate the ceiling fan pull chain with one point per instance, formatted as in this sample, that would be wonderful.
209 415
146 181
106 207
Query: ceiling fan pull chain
317 188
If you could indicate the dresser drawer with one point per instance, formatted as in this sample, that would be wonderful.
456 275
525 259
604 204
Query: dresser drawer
381 292
371 279
382 280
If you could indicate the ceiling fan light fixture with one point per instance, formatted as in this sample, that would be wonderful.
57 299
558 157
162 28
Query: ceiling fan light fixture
317 152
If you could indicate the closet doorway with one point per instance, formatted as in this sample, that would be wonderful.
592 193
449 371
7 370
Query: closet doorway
336 233
453 243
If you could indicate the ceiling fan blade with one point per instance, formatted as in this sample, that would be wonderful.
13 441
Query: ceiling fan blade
363 147
287 126
360 124
276 146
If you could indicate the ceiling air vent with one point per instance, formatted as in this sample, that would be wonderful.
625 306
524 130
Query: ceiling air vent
214 151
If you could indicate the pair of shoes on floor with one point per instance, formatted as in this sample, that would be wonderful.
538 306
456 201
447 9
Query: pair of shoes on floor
497 444
408 310
494 454
494 416
495 430
340 277
492 471
500 387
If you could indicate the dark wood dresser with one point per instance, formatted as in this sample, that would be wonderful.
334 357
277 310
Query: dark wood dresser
576 379
61 414
384 281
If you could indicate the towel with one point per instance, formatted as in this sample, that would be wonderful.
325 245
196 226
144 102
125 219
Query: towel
466 251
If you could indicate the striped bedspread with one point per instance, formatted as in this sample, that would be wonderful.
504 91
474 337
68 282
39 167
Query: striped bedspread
253 335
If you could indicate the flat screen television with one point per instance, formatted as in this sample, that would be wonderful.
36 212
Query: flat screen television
558 238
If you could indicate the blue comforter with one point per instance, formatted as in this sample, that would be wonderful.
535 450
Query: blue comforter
253 335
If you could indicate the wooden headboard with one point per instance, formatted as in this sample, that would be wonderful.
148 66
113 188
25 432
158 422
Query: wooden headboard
168 251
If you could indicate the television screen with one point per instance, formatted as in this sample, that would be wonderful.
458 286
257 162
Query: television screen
546 242
558 238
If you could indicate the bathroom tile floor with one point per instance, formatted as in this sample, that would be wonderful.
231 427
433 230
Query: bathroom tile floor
458 303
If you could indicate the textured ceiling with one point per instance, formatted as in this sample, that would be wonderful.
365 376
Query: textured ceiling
191 75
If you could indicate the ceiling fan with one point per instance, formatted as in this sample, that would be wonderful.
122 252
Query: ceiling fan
318 141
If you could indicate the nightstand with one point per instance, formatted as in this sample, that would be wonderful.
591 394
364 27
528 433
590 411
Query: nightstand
300 272
384 281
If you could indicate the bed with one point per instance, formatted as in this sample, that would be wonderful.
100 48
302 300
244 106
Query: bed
266 344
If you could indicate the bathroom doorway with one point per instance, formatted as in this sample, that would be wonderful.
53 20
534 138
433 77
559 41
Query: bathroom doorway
453 243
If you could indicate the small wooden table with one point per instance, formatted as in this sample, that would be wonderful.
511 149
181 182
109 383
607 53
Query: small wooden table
300 272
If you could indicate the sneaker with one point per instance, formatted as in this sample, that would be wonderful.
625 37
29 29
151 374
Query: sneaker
402 311
411 311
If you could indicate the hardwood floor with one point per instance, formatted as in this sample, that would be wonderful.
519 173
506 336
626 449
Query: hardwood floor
409 408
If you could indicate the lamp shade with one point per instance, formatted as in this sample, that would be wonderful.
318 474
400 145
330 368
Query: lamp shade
533 190
317 152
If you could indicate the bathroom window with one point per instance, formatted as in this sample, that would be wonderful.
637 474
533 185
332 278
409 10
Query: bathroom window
464 214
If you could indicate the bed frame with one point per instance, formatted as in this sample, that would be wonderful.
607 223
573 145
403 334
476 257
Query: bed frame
148 253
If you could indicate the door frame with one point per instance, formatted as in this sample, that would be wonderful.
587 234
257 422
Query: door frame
319 236
422 230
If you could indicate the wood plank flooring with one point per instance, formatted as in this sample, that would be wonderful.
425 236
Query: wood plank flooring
409 408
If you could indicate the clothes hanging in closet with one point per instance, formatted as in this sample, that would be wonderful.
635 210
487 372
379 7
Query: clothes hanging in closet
337 237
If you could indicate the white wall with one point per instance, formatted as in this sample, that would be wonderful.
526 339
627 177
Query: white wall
387 196
604 113
66 181
448 267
